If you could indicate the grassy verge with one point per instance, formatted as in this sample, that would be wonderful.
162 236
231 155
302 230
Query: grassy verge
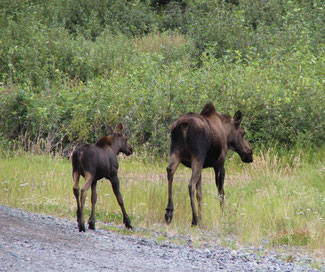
278 199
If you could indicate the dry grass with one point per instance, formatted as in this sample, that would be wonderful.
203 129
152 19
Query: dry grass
271 165
158 42
278 199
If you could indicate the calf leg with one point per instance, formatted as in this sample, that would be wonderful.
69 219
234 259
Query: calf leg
116 188
220 177
199 197
196 174
84 190
76 177
171 168
91 221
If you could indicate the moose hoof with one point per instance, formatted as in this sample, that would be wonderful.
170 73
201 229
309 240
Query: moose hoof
82 228
127 224
91 225
168 216
194 222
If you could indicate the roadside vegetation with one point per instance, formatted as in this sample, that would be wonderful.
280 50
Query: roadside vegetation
276 200
69 68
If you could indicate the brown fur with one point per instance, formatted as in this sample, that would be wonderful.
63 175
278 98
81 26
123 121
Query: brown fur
94 162
203 140
208 110
106 140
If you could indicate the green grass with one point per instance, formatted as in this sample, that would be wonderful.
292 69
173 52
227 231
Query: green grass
280 199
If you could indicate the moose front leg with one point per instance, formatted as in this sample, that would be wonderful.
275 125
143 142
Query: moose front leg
116 188
220 177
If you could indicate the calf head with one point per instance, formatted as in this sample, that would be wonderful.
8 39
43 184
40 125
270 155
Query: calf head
236 140
122 140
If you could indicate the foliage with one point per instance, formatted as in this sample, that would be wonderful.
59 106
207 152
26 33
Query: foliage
263 25
67 68
282 102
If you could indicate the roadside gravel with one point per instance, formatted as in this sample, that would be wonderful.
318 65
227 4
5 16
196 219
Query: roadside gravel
33 242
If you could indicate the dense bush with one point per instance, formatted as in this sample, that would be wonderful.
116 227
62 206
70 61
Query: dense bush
69 67
282 99
263 25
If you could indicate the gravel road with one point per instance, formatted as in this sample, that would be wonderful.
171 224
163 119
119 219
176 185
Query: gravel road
33 242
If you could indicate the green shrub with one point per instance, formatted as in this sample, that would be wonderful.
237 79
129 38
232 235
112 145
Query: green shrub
263 25
68 68
282 100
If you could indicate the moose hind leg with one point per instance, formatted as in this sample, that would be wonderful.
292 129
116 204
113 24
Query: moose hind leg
91 221
199 197
84 190
196 174
116 188
76 178
171 169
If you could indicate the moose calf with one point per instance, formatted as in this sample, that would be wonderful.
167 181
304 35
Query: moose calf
94 162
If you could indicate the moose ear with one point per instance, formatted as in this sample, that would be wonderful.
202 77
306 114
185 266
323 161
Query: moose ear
120 128
109 129
237 118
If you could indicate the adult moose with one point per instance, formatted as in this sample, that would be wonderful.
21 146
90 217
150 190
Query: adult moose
203 140
94 162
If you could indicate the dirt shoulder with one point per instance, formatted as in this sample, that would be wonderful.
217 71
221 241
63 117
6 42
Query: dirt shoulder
44 243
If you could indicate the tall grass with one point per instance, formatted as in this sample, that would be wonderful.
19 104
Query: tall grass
276 199
159 42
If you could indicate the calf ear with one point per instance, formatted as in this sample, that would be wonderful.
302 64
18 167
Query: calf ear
120 128
109 129
237 118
